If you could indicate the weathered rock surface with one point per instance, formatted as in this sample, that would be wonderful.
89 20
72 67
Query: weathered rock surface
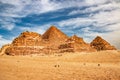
101 44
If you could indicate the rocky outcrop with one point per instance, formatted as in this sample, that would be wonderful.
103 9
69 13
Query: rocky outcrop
100 44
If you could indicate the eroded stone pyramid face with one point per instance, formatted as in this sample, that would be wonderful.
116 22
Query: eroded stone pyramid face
101 44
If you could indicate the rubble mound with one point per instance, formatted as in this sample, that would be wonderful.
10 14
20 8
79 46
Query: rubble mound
75 44
27 39
78 39
100 44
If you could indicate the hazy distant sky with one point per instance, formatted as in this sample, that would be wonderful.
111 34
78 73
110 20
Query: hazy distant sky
85 18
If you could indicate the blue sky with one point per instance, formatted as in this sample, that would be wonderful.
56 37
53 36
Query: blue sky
85 18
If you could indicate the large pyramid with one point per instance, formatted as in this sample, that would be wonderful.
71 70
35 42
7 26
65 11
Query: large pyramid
53 37
54 33
101 44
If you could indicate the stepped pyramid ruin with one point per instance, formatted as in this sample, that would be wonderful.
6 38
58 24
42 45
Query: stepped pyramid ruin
26 43
101 44
28 39
53 41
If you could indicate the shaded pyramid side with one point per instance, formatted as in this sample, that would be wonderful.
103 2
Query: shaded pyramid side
101 44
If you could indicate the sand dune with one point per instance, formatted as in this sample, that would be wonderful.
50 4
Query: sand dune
103 65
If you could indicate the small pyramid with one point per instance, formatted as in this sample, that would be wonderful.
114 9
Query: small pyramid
101 44
78 39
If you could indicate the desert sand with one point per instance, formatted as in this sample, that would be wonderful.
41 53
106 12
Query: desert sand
103 65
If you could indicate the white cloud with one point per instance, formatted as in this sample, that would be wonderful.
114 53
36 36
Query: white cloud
113 38
8 26
76 22
103 18
94 2
102 7
21 8
100 20
4 41
7 23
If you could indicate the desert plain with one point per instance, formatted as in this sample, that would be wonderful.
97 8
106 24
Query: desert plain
99 65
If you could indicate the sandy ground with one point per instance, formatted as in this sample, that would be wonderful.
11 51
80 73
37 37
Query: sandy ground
104 65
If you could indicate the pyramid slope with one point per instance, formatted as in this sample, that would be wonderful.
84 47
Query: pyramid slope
101 44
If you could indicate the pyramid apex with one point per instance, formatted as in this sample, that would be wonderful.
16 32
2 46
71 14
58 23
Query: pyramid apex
98 37
53 27
74 35
53 32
